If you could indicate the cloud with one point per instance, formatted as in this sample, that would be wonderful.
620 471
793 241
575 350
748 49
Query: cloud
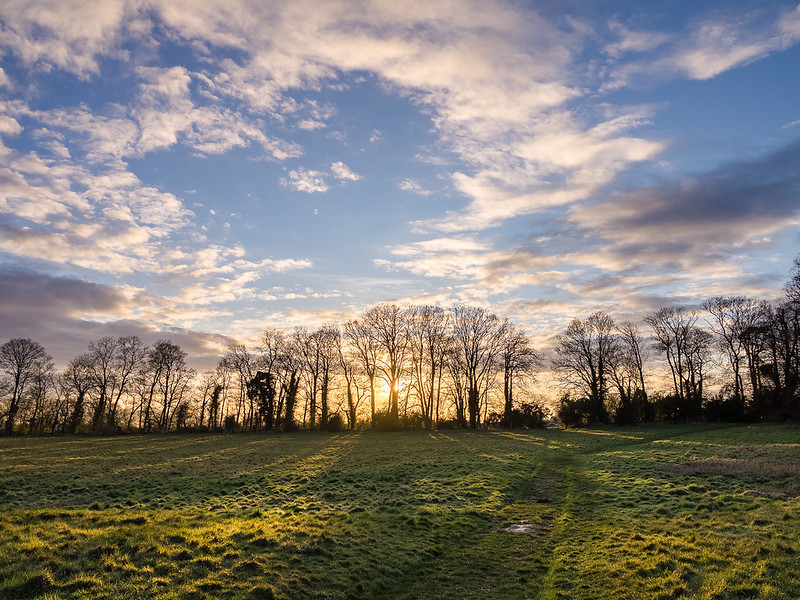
167 114
343 173
729 205
629 41
310 124
494 78
708 47
559 162
409 185
637 251
305 180
509 101
65 314
484 71
103 219
718 46
311 181
479 269
96 215
69 34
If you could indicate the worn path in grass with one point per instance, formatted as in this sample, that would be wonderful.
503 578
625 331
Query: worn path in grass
662 512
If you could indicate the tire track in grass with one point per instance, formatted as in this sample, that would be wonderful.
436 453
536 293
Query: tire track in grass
508 552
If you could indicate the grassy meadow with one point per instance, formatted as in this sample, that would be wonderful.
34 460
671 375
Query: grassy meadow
697 511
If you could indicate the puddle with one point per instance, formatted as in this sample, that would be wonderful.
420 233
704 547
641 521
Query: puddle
520 528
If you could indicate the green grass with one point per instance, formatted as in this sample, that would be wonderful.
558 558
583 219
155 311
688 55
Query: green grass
656 512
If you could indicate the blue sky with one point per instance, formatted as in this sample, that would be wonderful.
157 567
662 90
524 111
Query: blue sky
203 170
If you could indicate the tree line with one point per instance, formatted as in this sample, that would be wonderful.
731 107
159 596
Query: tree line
749 346
418 366
424 366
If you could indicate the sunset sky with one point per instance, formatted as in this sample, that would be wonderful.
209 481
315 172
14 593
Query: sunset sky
203 169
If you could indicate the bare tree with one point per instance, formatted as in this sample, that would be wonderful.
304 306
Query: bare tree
792 287
308 351
477 340
627 373
61 404
364 345
318 352
583 357
40 394
429 341
102 353
244 365
129 359
289 390
633 344
280 360
698 355
169 377
519 360
354 391
782 338
79 375
328 339
388 326
206 387
733 317
687 349
21 359
456 383
671 326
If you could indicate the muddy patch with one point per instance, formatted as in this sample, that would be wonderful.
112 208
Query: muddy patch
545 489
735 467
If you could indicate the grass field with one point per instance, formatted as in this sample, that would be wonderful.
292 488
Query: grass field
661 512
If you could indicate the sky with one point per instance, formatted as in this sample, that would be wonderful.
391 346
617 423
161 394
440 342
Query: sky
204 169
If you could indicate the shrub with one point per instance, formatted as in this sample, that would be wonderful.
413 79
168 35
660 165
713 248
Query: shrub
574 413
386 422
451 424
729 409
672 408
335 423
637 409
231 425
529 415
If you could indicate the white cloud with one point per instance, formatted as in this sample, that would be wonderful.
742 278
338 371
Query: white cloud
633 41
709 47
718 47
305 180
409 185
68 34
310 124
9 125
97 215
343 173
167 114
483 70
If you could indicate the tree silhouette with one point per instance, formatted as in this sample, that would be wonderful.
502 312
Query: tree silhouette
584 355
20 360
